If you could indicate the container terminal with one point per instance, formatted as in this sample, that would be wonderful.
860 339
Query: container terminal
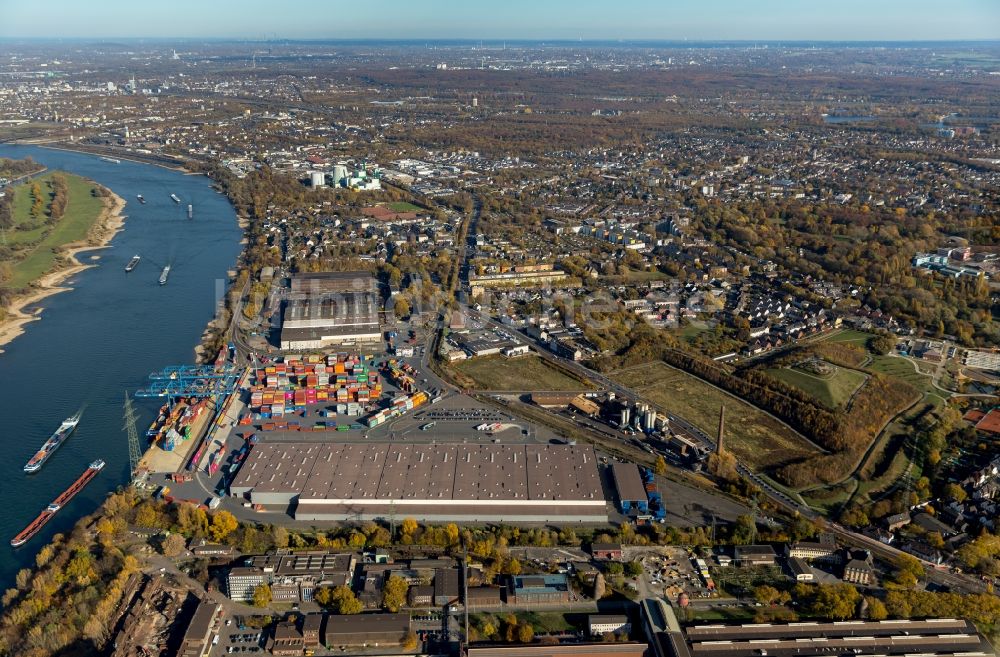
318 437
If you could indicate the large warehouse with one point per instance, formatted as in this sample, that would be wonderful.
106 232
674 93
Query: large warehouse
432 483
330 308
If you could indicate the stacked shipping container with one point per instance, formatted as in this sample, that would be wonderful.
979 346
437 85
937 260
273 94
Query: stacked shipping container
284 388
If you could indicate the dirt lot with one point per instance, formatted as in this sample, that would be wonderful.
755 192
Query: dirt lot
523 373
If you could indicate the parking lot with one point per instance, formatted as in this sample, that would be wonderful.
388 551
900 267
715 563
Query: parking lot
236 641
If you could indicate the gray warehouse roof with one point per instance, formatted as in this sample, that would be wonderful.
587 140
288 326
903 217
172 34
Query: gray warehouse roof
508 475
628 483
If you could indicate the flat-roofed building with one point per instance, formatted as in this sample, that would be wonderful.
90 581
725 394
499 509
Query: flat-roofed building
366 630
292 577
241 582
434 483
484 597
538 589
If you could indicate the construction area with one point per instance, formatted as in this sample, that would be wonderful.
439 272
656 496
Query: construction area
432 483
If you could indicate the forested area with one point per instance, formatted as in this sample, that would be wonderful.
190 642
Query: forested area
870 247
10 168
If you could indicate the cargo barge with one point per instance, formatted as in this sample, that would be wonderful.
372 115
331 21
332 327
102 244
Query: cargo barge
52 444
36 525
132 263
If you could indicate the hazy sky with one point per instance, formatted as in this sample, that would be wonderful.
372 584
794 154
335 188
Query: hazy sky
507 19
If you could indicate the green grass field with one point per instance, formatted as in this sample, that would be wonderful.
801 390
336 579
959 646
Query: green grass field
403 206
541 621
755 437
902 368
850 335
82 211
832 392
524 373
643 276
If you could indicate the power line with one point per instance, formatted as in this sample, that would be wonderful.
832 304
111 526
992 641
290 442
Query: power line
133 435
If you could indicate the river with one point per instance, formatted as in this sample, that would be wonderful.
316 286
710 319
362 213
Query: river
104 336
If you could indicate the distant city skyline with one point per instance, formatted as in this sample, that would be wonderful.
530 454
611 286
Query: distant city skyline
845 20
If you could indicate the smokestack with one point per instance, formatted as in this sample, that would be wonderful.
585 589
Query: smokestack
722 428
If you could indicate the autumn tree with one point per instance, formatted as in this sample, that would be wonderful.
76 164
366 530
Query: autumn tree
766 594
172 545
876 608
280 537
394 593
723 465
343 601
261 595
223 524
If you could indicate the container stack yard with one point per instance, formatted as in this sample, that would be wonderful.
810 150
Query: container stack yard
286 388
399 406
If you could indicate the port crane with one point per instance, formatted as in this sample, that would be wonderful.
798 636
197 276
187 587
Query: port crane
191 381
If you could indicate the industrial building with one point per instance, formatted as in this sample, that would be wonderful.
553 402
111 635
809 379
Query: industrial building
330 308
431 483
538 589
755 555
292 577
935 636
941 637
366 630
629 487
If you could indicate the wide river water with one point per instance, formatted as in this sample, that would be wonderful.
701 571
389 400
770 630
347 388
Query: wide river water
105 336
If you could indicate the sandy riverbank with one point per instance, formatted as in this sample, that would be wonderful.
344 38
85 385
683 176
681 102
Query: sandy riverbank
107 225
